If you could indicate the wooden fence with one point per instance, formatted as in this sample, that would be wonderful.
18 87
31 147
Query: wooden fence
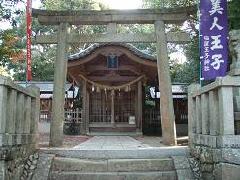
71 116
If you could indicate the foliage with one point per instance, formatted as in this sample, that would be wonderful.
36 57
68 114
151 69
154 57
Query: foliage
234 14
188 72
168 3
12 44
4 72
9 10
9 49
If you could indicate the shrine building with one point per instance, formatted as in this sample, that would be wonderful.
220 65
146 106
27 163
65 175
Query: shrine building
112 78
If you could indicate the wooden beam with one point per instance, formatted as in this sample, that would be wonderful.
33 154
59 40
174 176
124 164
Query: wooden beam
172 37
93 17
112 79
131 68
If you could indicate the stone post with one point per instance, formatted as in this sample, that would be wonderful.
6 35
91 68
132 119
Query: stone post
198 115
226 112
20 114
214 113
12 101
35 113
60 72
3 109
192 111
165 86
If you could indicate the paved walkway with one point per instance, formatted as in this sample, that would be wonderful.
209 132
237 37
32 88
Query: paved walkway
111 143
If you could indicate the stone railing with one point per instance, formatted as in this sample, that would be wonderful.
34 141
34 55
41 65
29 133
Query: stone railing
212 138
19 115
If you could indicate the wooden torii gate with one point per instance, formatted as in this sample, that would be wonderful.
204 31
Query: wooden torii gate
158 17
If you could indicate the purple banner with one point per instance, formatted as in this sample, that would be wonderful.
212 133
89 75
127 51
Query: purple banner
213 38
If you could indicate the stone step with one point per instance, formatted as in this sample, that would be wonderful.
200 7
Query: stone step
143 153
157 175
112 165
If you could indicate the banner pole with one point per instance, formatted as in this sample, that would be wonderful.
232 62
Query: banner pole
29 34
199 45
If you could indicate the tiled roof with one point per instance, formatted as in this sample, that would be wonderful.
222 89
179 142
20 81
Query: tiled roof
95 46
44 86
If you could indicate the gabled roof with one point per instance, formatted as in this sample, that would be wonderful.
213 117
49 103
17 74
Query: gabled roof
96 46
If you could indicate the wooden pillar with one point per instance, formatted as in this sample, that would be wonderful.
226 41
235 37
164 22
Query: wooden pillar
165 86
84 100
112 107
60 72
139 106
87 111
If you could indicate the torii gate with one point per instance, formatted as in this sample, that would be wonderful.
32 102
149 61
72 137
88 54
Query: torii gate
158 17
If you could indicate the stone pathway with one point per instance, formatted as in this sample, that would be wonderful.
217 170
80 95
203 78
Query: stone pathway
111 143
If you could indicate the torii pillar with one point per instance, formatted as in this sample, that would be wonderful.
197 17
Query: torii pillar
165 86
60 73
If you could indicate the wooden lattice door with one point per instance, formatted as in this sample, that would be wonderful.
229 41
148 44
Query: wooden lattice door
100 107
124 106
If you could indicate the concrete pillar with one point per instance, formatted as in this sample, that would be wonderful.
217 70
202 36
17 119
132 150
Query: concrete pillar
214 113
139 106
191 110
35 113
60 72
165 86
12 111
205 113
3 109
112 28
27 115
226 113
20 114
198 115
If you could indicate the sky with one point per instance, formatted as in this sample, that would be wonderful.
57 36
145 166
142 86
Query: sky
112 4
123 4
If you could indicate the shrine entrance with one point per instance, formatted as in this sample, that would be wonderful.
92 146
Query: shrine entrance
112 78
111 18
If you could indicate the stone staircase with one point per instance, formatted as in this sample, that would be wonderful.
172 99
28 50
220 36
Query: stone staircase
112 169
114 158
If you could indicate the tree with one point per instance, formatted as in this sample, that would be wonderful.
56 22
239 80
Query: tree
168 3
234 14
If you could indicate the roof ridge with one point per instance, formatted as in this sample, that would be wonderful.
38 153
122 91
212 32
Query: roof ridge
94 46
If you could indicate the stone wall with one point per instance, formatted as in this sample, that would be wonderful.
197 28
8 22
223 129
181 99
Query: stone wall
212 139
19 114
235 71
